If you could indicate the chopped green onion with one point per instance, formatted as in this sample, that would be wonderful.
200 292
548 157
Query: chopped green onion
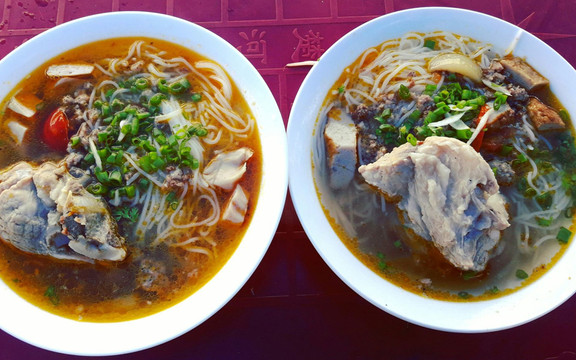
74 141
143 183
564 235
115 177
521 158
464 295
430 89
102 137
196 97
157 99
386 113
103 153
467 275
106 111
430 44
97 189
543 221
500 99
162 86
142 115
530 192
102 176
415 115
141 83
411 139
127 128
116 103
130 191
506 149
89 158
135 126
494 290
51 294
545 200
464 134
521 274
404 92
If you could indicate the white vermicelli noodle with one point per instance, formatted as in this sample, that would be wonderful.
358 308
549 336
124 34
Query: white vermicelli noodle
373 82
190 221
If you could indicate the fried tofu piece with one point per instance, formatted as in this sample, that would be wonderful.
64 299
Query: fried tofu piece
69 70
523 74
544 117
340 136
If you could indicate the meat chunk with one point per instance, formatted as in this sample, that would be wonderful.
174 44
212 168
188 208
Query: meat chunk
544 117
503 172
47 211
227 168
523 74
236 207
447 194
69 70
340 138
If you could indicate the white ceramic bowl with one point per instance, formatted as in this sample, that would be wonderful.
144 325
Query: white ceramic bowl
530 302
52 332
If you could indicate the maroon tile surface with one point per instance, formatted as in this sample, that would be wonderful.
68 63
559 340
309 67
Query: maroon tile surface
294 306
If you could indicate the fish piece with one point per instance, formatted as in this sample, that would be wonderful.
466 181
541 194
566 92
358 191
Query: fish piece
447 194
47 211
227 168
340 135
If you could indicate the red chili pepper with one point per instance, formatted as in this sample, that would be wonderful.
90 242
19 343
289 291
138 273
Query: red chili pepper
55 132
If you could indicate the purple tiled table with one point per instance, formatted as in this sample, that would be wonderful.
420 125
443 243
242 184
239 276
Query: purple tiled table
294 306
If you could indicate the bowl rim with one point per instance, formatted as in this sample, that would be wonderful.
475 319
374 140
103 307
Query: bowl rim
182 317
505 312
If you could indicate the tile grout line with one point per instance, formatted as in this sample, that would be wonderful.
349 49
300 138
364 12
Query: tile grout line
169 7
60 10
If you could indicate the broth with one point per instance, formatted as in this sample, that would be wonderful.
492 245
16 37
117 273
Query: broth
377 233
165 263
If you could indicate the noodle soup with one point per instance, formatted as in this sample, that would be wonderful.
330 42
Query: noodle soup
398 98
162 141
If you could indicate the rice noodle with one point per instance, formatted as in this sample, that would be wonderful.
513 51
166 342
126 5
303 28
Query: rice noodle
190 224
373 80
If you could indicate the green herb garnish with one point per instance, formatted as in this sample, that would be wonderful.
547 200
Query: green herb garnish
51 294
521 274
130 214
564 235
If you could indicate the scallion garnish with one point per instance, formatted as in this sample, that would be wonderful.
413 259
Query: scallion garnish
564 235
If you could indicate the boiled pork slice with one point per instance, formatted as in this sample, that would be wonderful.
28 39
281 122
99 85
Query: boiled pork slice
447 194
47 211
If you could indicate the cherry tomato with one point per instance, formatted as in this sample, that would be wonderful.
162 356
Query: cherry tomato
55 132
